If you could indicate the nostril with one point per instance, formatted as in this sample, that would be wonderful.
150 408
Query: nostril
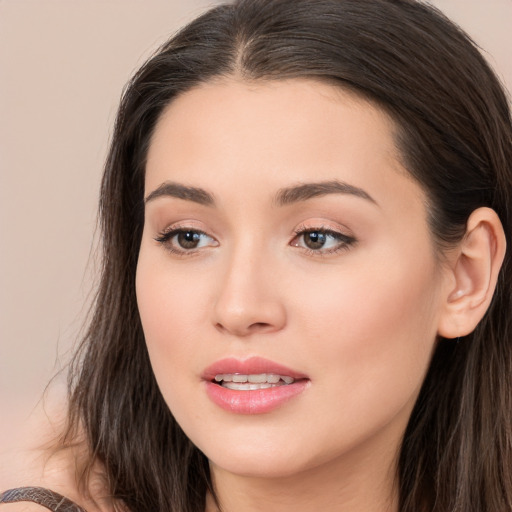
220 327
259 325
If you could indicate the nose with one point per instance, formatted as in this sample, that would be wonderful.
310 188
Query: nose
249 299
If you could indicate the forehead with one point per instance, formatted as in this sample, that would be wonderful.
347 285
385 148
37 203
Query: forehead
274 133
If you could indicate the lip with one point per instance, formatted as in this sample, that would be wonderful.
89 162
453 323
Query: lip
254 401
250 366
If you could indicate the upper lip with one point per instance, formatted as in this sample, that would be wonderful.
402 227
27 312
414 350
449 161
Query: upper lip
250 366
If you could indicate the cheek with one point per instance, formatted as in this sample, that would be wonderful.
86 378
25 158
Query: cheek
374 329
170 313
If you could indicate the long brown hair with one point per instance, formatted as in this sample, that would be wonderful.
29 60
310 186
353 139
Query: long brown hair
455 137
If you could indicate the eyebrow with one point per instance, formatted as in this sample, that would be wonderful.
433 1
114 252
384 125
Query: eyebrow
285 196
307 191
171 189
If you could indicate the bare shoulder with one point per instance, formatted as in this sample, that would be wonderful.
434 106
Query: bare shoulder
40 460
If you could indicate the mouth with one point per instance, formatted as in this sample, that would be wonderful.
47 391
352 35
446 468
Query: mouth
252 386
252 382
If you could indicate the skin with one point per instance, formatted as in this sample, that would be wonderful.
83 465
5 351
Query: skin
359 319
37 460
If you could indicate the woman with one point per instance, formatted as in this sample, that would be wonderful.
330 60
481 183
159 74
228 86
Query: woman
306 296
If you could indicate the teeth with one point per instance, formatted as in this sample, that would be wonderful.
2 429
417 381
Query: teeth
250 382
247 386
257 379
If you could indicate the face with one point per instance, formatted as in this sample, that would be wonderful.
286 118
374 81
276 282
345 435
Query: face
287 282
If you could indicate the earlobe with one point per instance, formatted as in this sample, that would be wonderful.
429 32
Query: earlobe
474 273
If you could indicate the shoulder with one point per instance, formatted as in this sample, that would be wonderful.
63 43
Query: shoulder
40 462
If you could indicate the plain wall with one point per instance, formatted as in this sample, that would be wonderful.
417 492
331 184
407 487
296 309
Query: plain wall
62 68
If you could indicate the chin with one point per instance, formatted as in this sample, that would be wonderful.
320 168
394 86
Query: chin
261 460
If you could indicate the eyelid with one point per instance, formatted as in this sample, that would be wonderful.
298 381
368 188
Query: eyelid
169 233
324 225
182 225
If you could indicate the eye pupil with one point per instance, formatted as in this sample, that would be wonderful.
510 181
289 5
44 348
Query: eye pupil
315 239
188 239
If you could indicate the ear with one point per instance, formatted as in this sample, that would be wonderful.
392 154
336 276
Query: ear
473 272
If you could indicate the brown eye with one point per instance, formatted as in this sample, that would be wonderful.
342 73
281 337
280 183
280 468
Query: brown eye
188 239
314 239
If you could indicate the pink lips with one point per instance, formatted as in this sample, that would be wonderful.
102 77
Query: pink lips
252 401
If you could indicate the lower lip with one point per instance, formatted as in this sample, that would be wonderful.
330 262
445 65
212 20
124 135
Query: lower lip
254 401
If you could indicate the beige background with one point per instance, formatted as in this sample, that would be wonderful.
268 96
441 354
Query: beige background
63 64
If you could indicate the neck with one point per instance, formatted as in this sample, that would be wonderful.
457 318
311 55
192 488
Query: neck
353 484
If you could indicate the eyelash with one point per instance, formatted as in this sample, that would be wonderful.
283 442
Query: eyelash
343 241
165 239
